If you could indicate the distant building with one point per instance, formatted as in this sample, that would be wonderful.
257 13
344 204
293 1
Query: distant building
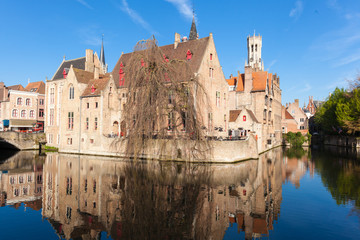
302 123
257 93
21 109
313 106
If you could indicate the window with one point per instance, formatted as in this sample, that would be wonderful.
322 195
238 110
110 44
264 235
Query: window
16 192
210 121
27 102
29 179
170 121
69 141
41 113
87 105
96 104
94 204
14 113
21 179
252 48
71 92
50 138
211 72
41 101
244 118
302 120
96 123
218 99
210 56
171 97
225 100
255 47
70 120
68 186
264 115
91 140
19 101
87 123
85 187
302 127
23 113
51 117
25 191
269 116
94 187
52 95
68 212
12 180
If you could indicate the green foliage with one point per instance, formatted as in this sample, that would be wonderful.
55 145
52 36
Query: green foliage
50 148
340 113
295 139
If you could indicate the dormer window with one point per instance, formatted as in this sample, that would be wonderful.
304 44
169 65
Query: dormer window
188 55
166 59
65 72
93 89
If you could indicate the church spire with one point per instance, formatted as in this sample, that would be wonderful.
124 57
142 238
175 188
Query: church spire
193 32
102 56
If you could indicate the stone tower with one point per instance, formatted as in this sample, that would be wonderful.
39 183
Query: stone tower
254 44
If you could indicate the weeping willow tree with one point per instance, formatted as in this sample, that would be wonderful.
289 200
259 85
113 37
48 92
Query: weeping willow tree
162 112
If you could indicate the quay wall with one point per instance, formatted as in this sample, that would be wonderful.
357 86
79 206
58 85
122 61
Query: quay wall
218 151
343 141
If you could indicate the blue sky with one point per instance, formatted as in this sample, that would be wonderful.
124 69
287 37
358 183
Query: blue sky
314 46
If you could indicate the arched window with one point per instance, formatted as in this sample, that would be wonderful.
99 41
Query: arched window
14 113
71 92
31 115
27 102
19 101
23 113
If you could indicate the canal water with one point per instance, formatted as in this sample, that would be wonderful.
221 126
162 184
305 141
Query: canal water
286 194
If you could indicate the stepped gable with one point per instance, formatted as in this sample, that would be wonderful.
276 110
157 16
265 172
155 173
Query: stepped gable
97 84
78 63
259 81
197 48
83 76
240 83
37 87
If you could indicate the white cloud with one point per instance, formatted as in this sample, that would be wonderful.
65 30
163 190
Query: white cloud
84 3
183 6
135 17
90 35
297 10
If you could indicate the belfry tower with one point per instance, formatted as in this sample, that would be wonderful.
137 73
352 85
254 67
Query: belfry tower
254 44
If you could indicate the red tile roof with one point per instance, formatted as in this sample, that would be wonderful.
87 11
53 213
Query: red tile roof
197 48
259 80
240 84
232 81
288 115
18 87
37 87
98 84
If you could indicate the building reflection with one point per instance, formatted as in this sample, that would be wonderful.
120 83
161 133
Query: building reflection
21 180
86 197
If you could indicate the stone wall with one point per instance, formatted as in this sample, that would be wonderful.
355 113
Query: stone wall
21 141
343 141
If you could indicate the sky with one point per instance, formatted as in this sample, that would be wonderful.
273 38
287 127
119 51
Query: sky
314 46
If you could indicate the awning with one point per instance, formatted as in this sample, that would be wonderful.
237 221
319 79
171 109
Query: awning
22 123
6 123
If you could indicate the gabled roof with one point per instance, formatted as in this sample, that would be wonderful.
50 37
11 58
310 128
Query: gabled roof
78 63
197 48
232 81
83 76
234 114
259 80
240 83
18 87
37 87
98 84
288 115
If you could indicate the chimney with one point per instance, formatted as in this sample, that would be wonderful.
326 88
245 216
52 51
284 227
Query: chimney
177 40
297 102
89 60
96 73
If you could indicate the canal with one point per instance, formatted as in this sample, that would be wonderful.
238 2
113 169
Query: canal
286 194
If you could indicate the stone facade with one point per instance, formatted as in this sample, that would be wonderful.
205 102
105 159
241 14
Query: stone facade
259 92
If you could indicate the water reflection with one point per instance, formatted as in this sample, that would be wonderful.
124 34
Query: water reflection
86 197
